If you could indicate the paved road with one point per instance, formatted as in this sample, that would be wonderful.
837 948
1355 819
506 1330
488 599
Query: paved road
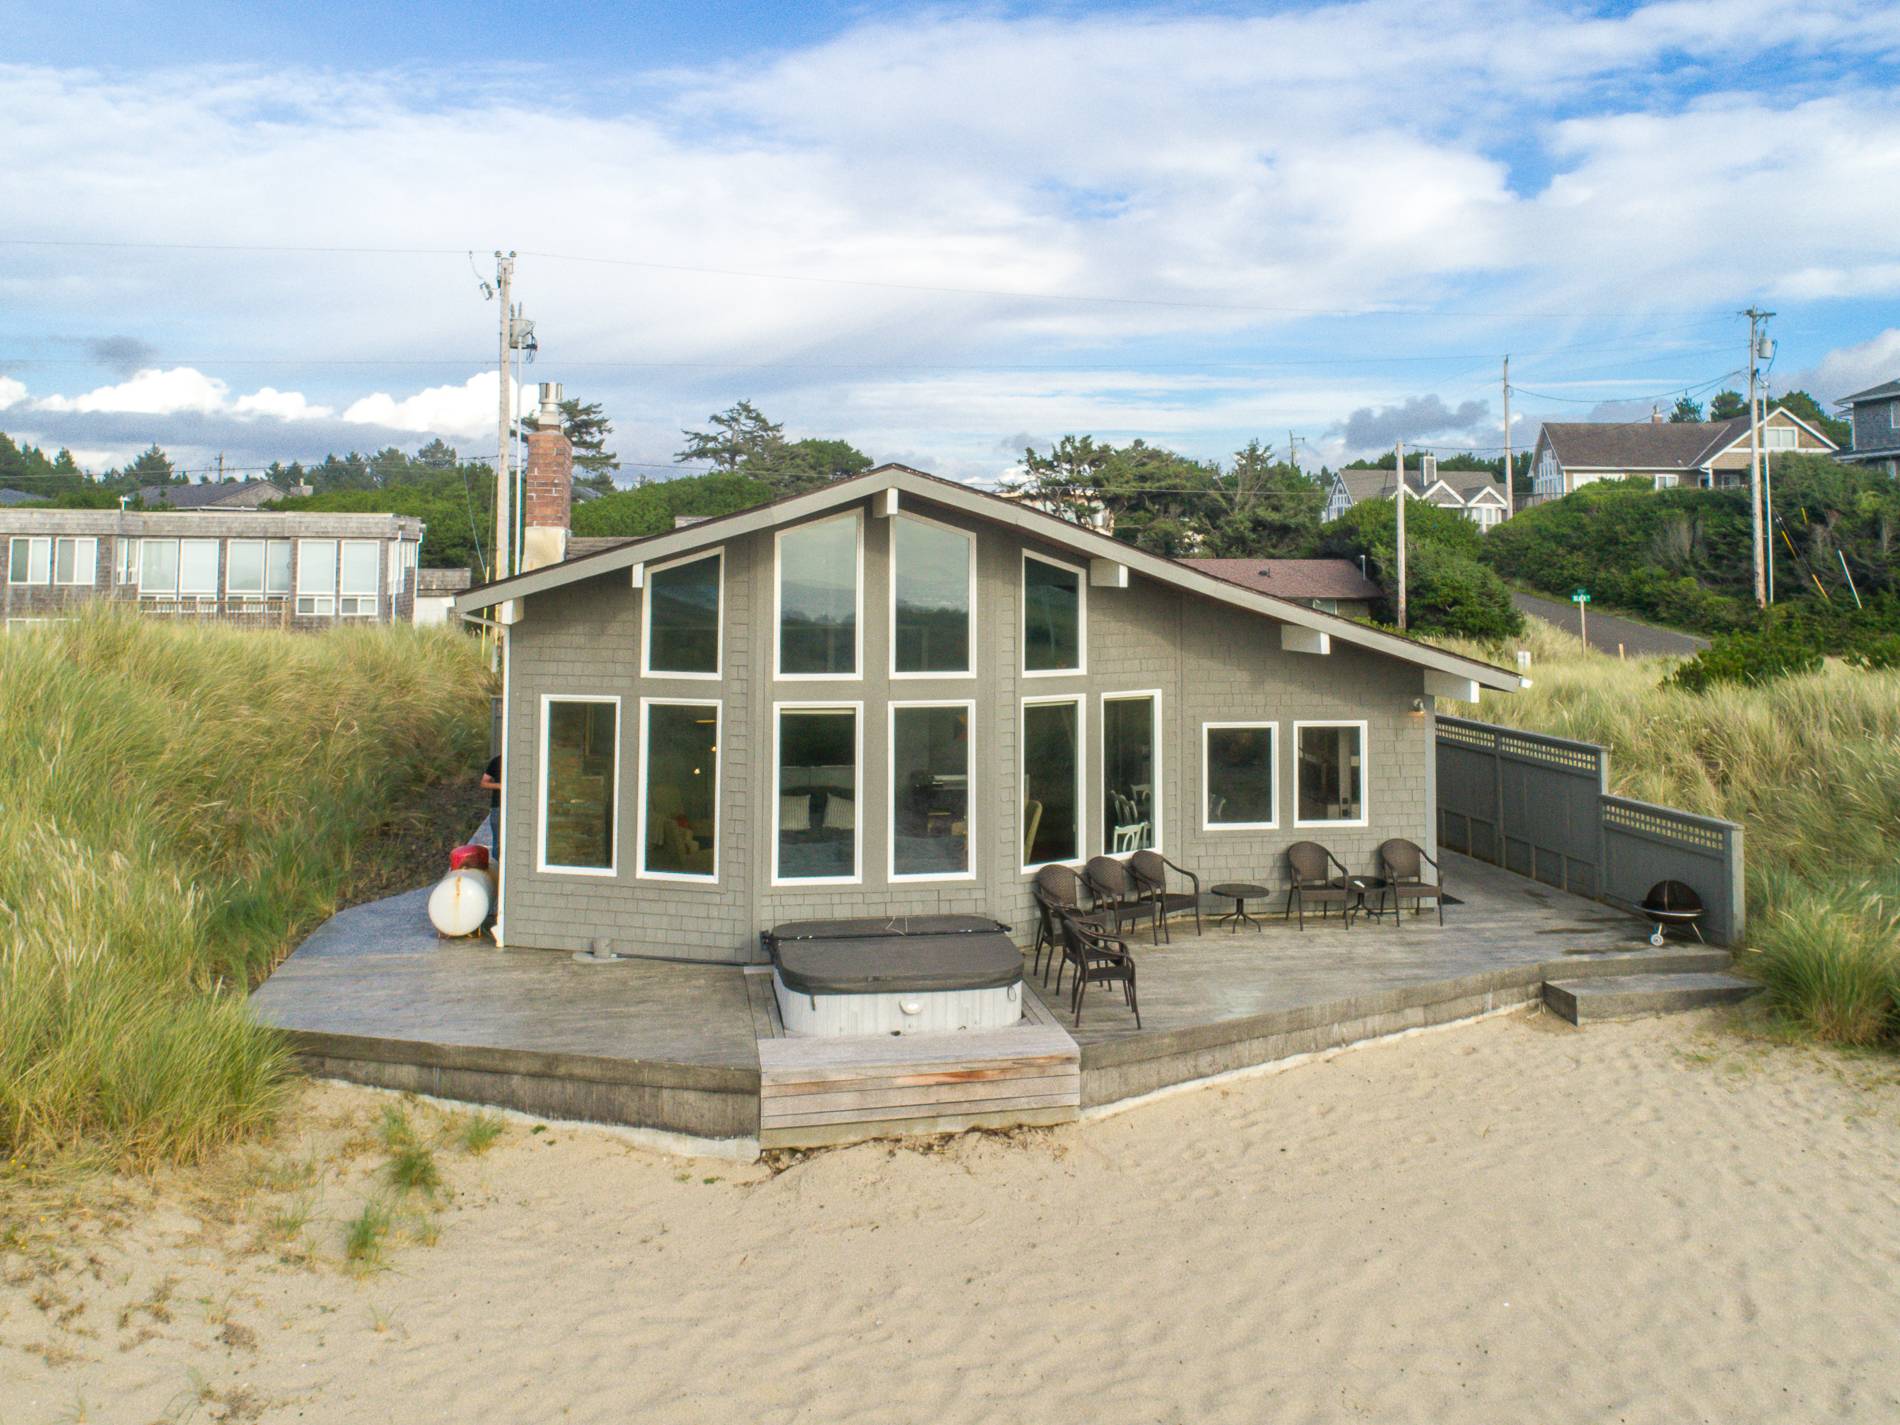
1608 630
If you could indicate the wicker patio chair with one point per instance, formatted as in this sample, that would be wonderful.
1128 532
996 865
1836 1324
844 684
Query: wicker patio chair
1311 880
1403 863
1058 891
1117 898
1150 870
1098 958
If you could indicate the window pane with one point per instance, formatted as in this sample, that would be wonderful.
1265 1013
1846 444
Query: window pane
930 788
817 794
1128 774
1051 826
579 826
198 566
932 598
277 567
1330 783
39 561
316 566
1239 775
159 567
1052 617
62 561
359 566
682 772
683 618
85 561
244 570
818 597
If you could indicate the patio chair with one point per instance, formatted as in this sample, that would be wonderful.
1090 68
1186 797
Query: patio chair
1117 898
1403 863
1150 870
1311 879
1098 958
1058 892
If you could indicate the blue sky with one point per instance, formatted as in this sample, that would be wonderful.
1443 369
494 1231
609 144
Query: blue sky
941 233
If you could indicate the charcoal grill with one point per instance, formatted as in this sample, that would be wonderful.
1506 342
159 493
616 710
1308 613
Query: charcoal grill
1671 905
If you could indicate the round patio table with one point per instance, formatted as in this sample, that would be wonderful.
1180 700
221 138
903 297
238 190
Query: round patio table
1368 886
1240 892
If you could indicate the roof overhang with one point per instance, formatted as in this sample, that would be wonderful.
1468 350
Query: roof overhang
893 482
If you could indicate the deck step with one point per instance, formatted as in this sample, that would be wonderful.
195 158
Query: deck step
1670 960
1625 996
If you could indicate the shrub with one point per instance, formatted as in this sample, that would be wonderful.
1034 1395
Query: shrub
1751 658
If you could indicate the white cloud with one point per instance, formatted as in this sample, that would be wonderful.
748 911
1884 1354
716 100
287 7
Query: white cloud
283 405
149 393
11 392
1850 368
469 409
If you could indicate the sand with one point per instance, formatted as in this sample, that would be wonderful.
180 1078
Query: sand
1503 1221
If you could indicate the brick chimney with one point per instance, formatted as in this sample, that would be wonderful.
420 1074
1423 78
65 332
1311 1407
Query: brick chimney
547 486
1655 415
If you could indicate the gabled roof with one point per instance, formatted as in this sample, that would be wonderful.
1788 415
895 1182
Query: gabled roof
205 495
1886 390
1654 445
1294 578
18 497
981 504
1742 435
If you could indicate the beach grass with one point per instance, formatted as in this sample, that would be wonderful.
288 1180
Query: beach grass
178 804
1809 765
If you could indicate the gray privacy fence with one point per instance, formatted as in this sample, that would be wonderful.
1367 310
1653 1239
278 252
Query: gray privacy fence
1539 806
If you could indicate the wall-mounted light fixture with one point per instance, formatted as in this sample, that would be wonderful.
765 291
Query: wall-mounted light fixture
1418 705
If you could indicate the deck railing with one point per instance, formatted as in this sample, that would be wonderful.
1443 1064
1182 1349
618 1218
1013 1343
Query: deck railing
1540 806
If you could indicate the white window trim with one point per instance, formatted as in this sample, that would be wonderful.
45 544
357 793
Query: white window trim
1155 795
1080 703
719 812
1273 743
263 569
1365 770
374 595
970 613
647 670
145 567
857 619
126 558
217 558
541 863
890 792
13 565
75 540
299 593
856 709
1081 618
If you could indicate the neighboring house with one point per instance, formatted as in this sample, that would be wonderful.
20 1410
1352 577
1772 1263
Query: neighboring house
899 695
435 594
1875 414
1712 455
1472 493
218 495
12 498
254 567
1333 586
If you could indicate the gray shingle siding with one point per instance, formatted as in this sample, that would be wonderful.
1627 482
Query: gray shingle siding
1210 661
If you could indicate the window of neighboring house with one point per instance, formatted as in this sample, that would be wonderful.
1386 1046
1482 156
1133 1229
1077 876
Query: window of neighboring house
29 560
76 560
1051 750
1667 482
815 793
579 765
1780 437
257 566
682 617
1054 617
1331 785
819 599
1239 763
1131 772
316 577
679 810
197 568
1326 606
930 789
933 584
357 597
158 569
128 560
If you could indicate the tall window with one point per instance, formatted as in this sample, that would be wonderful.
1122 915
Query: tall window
682 618
1131 782
1052 617
316 577
931 597
1237 775
679 818
128 560
1052 781
29 560
579 763
357 598
930 789
197 567
817 795
75 560
818 599
1331 773
257 566
158 568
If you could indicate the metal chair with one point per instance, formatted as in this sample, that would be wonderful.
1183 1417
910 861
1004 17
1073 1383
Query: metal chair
1403 863
1311 878
1150 870
1098 958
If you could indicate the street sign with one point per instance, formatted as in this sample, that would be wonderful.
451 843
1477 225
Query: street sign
1582 596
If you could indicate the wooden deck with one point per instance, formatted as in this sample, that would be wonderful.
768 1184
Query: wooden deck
374 997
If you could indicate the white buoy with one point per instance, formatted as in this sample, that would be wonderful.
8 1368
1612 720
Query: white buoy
460 903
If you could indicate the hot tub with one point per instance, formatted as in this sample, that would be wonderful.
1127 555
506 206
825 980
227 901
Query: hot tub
903 975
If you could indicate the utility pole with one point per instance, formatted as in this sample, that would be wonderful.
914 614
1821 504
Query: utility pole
1768 505
1292 452
1400 497
1510 478
504 515
1757 347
